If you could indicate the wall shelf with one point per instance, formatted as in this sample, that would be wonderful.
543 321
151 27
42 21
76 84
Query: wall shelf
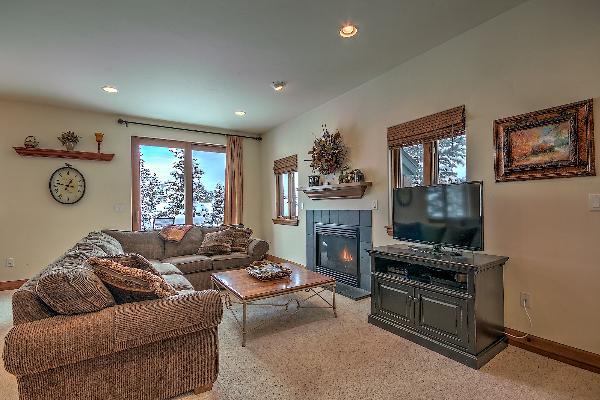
354 190
78 155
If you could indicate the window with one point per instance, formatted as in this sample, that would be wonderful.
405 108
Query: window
412 165
448 162
452 159
177 183
427 151
286 185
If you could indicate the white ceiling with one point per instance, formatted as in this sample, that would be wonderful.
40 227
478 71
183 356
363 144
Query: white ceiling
197 61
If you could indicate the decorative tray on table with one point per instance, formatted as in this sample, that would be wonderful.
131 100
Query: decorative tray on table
267 271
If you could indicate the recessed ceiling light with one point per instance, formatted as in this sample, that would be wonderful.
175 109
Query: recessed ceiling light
240 113
110 89
348 30
279 86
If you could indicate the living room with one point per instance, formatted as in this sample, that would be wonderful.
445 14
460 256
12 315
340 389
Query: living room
256 93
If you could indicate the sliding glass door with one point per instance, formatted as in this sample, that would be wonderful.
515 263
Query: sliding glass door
177 183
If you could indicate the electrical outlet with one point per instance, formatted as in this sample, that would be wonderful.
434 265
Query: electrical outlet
525 300
302 206
10 262
594 201
375 205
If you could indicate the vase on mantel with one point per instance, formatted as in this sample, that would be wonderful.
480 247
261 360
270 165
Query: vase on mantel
70 146
330 179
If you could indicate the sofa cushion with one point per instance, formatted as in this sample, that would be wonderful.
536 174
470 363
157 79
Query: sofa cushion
233 260
188 245
108 244
192 263
216 243
241 238
68 287
130 284
178 282
164 268
148 244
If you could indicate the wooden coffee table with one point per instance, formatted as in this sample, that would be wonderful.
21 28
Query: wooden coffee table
247 290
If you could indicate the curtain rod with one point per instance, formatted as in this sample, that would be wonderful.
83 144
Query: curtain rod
127 123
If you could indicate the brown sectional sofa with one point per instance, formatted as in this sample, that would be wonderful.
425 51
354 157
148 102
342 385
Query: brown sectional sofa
154 349
183 255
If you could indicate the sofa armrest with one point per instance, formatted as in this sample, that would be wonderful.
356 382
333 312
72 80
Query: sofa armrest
53 342
258 248
150 321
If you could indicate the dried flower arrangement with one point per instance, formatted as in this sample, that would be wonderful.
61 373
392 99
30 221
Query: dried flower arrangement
328 153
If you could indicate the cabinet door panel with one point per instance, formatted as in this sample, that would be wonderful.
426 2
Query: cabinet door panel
442 317
394 300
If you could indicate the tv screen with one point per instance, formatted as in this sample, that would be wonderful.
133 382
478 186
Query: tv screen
447 215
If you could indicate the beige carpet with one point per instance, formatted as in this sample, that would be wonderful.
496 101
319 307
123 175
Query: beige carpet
314 356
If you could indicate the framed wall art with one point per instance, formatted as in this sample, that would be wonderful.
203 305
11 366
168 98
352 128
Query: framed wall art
557 142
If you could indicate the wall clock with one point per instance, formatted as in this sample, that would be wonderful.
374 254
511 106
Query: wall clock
67 185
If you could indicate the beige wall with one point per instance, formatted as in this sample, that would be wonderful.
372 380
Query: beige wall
35 229
540 54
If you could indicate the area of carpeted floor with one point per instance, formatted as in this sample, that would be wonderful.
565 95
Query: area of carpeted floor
311 355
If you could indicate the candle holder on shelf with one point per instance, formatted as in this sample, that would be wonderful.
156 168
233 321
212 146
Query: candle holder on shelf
99 139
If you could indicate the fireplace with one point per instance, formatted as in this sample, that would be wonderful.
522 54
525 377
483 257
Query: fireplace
337 253
337 245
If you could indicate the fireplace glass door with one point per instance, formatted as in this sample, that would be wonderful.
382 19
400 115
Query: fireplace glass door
338 253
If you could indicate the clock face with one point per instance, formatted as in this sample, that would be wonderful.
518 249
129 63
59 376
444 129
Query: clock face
67 185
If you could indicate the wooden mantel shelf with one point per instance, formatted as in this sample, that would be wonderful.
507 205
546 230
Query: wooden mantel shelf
79 155
355 190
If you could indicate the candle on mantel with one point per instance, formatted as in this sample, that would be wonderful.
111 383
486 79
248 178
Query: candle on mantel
99 139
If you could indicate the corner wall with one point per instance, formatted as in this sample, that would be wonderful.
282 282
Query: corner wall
543 53
35 228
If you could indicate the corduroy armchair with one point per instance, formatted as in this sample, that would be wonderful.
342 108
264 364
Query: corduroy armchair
154 349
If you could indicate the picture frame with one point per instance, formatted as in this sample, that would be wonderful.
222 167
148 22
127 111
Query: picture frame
556 142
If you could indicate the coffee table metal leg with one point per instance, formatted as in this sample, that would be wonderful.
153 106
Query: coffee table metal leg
244 325
333 302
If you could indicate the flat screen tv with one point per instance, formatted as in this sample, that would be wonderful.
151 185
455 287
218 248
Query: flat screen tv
440 215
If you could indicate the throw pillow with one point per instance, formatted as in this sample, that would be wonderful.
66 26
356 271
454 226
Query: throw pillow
241 238
133 260
110 245
174 233
128 284
216 243
68 287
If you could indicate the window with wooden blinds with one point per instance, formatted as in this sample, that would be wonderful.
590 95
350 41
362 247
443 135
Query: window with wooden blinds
428 151
286 164
433 127
286 179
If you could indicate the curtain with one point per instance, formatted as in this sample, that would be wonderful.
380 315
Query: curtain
234 182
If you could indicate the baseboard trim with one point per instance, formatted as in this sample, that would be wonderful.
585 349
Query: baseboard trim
557 351
276 259
11 285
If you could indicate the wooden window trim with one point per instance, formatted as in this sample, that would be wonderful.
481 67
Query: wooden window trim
188 147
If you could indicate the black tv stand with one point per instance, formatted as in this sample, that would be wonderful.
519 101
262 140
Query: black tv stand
452 304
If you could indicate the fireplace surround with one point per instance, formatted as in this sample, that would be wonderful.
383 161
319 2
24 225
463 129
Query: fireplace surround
337 245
